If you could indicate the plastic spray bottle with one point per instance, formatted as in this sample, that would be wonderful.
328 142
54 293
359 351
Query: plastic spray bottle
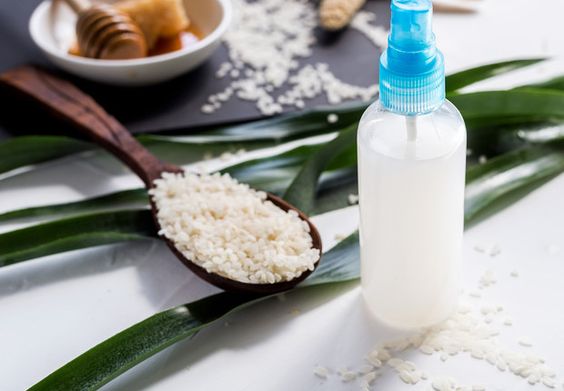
412 161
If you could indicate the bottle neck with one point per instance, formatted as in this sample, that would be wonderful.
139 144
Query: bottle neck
412 68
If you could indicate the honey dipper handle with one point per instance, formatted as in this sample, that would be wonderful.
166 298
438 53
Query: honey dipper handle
71 104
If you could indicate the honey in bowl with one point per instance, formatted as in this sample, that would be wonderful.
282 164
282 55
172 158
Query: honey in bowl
164 45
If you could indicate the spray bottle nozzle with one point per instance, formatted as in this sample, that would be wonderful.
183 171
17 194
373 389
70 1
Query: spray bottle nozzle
411 25
411 68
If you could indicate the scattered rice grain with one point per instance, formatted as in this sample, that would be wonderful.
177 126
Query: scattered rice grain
266 43
321 372
487 279
332 118
347 375
495 250
363 22
524 341
353 199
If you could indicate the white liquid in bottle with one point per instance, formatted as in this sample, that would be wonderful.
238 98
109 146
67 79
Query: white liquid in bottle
411 169
411 189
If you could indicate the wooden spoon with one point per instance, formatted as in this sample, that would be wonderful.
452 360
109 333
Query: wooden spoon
68 102
107 33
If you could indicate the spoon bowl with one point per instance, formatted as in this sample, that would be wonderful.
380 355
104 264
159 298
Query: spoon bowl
228 284
71 104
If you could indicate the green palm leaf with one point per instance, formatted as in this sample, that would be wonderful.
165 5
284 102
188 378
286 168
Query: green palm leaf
316 178
273 174
24 151
494 108
491 186
182 150
295 125
29 150
116 355
75 233
303 190
121 199
111 227
468 77
500 182
556 83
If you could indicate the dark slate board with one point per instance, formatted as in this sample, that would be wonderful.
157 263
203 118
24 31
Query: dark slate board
173 105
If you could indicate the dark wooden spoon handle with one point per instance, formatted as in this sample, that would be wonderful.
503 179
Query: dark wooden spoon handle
68 102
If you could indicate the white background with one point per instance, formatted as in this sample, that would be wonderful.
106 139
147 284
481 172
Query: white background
54 308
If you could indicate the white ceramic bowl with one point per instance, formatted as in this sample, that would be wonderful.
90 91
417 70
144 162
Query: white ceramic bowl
52 29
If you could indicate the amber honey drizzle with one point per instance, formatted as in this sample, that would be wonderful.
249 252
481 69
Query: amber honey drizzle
170 44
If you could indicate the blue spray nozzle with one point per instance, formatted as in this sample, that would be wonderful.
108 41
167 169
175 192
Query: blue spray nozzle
412 79
410 28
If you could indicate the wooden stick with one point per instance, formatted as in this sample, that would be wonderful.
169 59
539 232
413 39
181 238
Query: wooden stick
79 5
453 7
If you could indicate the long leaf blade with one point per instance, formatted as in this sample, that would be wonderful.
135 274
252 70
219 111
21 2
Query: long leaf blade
303 189
273 174
493 108
109 359
500 182
110 227
556 83
299 124
125 198
28 150
468 77
75 233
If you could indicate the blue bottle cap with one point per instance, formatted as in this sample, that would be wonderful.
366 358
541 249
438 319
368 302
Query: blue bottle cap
412 73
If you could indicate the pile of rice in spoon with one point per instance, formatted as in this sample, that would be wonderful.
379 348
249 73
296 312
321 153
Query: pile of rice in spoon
232 230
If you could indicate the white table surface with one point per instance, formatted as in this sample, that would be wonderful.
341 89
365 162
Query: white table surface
54 308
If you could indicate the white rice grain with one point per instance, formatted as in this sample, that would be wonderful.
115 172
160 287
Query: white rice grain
321 372
523 341
332 118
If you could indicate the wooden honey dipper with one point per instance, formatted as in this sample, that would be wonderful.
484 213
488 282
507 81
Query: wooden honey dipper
104 32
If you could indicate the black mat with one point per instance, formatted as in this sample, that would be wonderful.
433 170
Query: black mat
173 105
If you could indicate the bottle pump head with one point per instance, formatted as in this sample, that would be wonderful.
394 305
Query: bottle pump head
412 76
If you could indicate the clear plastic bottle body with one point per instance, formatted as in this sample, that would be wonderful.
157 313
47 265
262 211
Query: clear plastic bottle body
411 189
